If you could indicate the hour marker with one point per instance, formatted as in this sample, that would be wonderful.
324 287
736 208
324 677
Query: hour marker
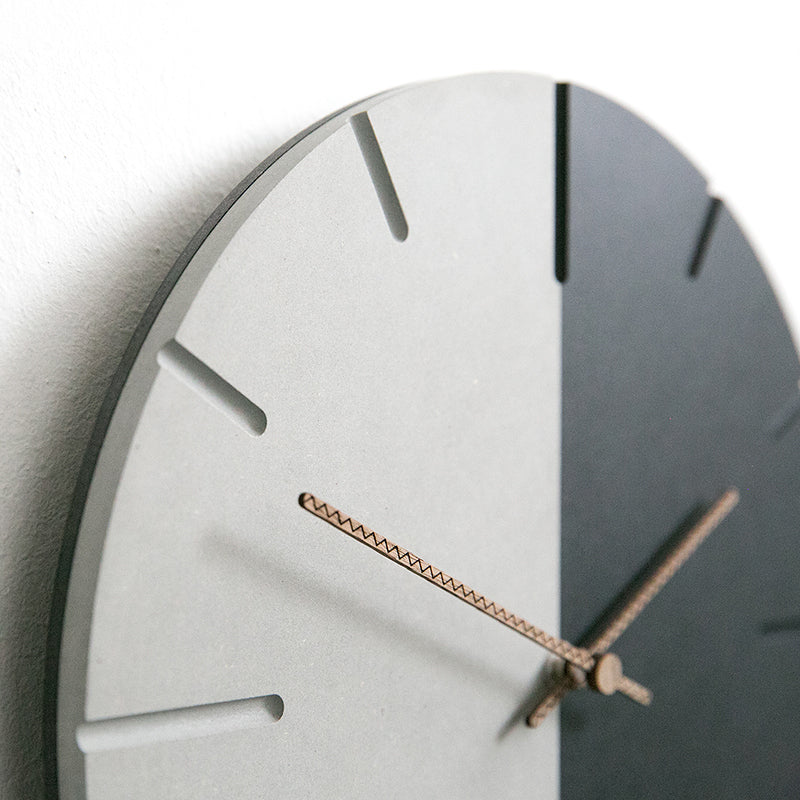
784 625
705 236
379 172
786 417
213 388
562 181
193 722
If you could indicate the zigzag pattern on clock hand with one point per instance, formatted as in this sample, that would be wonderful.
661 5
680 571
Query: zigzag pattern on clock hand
575 655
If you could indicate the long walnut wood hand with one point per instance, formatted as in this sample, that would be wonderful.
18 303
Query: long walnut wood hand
673 560
577 656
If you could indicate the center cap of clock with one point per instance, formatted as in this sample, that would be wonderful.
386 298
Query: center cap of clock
607 673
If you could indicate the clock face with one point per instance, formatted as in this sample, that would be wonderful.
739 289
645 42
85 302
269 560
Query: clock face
499 322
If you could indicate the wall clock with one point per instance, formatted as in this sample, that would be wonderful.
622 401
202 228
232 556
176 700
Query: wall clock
500 322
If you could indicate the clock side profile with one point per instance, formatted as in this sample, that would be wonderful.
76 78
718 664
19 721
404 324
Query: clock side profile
500 322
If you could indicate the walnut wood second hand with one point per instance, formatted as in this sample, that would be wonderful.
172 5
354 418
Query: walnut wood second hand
577 656
647 590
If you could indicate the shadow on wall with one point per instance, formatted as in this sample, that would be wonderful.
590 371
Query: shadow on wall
53 377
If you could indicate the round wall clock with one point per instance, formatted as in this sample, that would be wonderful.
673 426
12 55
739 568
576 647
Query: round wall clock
487 337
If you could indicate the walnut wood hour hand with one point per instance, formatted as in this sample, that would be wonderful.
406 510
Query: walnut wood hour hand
606 671
655 580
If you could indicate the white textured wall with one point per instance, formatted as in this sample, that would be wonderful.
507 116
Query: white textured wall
125 123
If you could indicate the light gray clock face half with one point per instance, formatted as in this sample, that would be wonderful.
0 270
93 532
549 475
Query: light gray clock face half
375 320
500 322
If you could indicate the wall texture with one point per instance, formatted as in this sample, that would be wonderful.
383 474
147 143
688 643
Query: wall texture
124 124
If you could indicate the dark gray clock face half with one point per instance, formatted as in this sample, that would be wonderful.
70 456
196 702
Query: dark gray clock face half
679 379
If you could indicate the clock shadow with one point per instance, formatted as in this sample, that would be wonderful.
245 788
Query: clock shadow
544 678
263 569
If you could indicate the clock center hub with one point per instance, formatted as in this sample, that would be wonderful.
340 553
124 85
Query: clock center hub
607 673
